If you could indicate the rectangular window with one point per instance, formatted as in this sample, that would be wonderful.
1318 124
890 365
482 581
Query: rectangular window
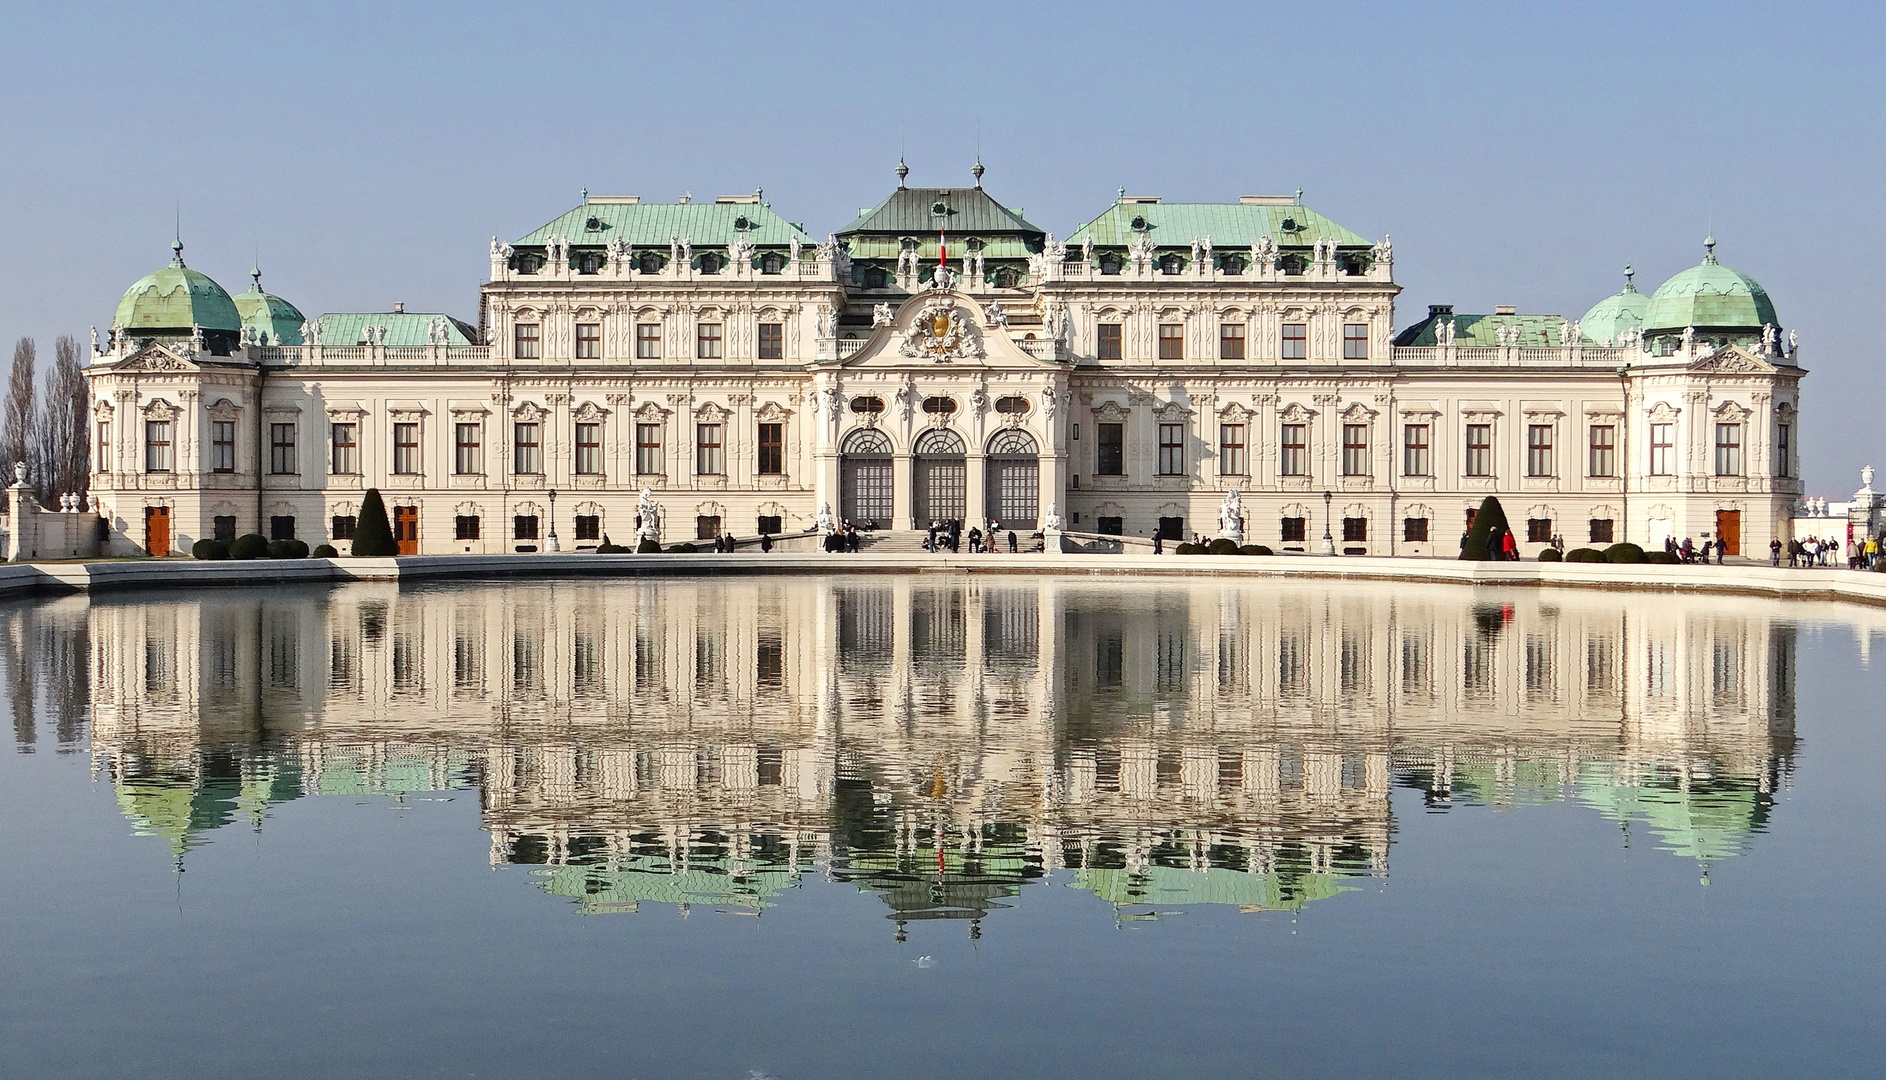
223 446
648 341
527 449
1110 459
707 341
406 449
281 527
1231 341
1293 530
157 446
1728 449
1604 441
1172 449
524 527
1479 450
1414 530
465 527
648 449
1108 343
342 527
589 526
1355 530
344 455
1171 341
102 463
772 341
468 449
281 451
1539 460
589 449
1784 462
1538 530
1663 449
706 526
524 339
1231 461
1296 339
770 524
708 459
1601 531
588 341
223 527
1416 447
1355 341
772 449
1293 451
1355 450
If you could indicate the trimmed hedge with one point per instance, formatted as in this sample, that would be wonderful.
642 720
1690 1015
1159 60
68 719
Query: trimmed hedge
1189 548
1222 546
373 534
209 550
684 548
1255 549
647 547
606 548
1551 555
287 549
249 546
1584 555
1489 524
1666 558
1624 553
326 551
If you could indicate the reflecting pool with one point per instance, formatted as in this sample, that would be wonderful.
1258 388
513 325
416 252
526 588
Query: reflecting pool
939 826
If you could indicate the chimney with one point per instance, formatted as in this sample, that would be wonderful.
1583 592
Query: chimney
1435 311
1505 309
399 307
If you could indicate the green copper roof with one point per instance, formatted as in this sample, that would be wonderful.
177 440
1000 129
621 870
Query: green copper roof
1609 319
652 225
1161 886
1535 331
966 211
176 298
402 327
1710 295
1705 818
1230 225
277 320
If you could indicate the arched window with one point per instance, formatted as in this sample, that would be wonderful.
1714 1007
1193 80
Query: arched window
1012 442
710 264
866 442
589 262
1012 405
867 404
771 263
1171 264
938 442
1291 265
651 263
1006 277
939 406
529 262
874 277
1110 263
1232 264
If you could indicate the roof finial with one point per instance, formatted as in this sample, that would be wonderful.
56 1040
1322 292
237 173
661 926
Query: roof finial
1629 273
176 252
1709 245
586 196
255 275
902 170
976 170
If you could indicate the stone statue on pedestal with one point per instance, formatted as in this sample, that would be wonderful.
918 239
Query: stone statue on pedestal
1231 517
648 513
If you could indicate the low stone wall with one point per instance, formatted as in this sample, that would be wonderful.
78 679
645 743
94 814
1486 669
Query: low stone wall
22 579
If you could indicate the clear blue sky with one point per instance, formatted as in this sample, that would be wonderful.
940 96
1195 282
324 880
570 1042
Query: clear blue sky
1518 153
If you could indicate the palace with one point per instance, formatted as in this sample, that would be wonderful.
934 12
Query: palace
688 369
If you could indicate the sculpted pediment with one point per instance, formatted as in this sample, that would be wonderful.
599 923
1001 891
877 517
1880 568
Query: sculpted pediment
1731 360
941 328
155 357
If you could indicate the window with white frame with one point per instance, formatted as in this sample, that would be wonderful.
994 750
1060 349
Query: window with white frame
709 452
1355 341
1293 450
1172 449
588 341
157 447
525 340
648 449
1417 457
406 449
468 448
588 448
1295 340
223 446
1663 449
648 341
1479 461
1355 450
1729 449
281 450
1604 442
344 448
707 341
1231 459
1539 460
527 448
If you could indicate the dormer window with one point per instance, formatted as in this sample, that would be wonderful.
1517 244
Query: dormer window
589 262
875 278
650 263
1006 277
1012 406
1171 264
1110 263
529 263
771 263
939 406
594 224
1292 265
1355 265
1139 224
1232 264
710 264
742 224
867 404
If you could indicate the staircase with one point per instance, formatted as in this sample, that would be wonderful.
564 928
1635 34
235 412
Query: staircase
892 542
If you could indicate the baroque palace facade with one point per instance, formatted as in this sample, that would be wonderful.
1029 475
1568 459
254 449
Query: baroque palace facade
941 357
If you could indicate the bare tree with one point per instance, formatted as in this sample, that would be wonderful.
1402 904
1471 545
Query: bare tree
19 424
65 455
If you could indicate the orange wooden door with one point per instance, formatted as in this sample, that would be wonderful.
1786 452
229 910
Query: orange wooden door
1729 531
157 530
406 529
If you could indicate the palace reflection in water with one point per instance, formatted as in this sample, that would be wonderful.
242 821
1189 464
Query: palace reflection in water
940 742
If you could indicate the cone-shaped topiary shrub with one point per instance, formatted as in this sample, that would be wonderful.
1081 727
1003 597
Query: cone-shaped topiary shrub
1551 555
1624 553
251 546
1222 546
373 534
1489 524
209 549
326 551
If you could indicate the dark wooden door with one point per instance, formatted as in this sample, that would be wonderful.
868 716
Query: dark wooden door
406 529
157 530
1729 531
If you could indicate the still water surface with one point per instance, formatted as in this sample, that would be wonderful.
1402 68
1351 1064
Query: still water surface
865 827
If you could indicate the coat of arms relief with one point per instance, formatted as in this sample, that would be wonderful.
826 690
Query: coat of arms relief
942 331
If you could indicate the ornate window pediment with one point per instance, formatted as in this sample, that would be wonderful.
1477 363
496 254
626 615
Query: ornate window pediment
1730 412
1663 412
1171 412
159 409
772 412
1110 413
651 413
1358 413
710 412
156 358
528 411
588 411
1295 412
1234 412
223 409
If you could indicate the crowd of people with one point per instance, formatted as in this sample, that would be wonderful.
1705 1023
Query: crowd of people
949 536
1860 553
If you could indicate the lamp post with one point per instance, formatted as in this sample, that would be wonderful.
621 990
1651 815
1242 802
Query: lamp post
553 521
1329 543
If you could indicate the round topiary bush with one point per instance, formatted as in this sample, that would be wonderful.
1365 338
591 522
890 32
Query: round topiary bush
683 549
1551 555
209 549
1187 548
1665 558
1254 549
647 547
1624 553
250 546
287 549
1222 546
1584 555
325 551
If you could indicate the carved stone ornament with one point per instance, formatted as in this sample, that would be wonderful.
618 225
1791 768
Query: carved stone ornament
528 411
771 412
590 412
159 409
942 332
1110 413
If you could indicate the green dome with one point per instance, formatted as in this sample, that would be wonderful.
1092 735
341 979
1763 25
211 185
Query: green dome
1616 315
175 299
274 320
1710 296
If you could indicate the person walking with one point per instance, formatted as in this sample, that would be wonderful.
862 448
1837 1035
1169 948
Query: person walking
1014 545
1722 549
1774 551
766 543
1509 547
1159 542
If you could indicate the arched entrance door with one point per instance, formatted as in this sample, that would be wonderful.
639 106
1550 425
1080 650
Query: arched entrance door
864 478
939 478
1014 480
